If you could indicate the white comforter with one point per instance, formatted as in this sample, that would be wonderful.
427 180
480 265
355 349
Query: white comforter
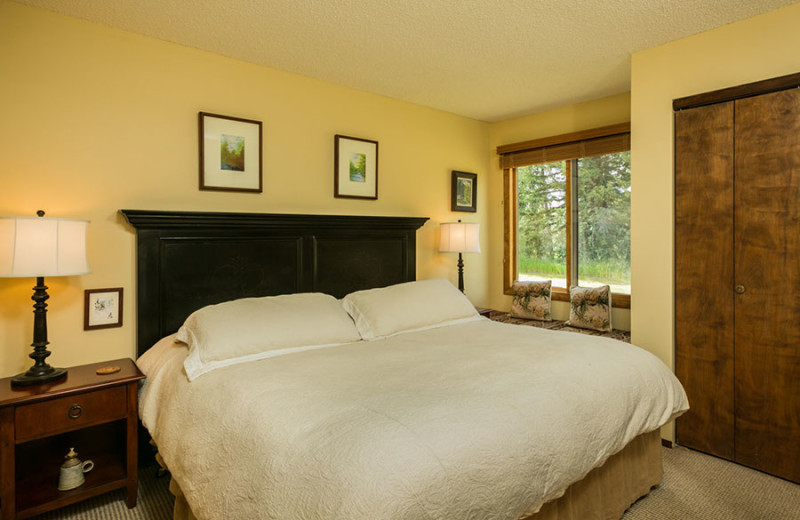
479 420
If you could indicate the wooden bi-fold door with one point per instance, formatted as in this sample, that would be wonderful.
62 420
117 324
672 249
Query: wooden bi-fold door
704 276
737 279
767 261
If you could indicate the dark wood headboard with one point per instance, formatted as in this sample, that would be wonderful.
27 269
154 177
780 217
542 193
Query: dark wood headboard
187 260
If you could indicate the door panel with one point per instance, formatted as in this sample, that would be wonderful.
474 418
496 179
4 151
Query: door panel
767 260
704 276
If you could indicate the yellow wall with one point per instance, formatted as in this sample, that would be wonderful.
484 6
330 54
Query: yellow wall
758 48
94 119
572 118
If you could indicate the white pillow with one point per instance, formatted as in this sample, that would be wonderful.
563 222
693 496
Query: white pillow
256 328
406 307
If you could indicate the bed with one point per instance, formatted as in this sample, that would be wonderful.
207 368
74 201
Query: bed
413 422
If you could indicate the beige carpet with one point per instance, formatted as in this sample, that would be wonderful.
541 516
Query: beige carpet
700 487
695 487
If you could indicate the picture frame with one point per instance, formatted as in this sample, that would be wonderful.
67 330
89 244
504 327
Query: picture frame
102 308
464 192
230 153
355 170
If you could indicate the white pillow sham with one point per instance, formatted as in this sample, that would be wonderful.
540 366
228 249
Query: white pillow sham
407 306
255 328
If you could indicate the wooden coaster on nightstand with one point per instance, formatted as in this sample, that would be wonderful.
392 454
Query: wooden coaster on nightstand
104 371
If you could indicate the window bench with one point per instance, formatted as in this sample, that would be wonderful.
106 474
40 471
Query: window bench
505 317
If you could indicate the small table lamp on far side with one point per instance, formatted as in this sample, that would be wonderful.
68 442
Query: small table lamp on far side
458 237
39 247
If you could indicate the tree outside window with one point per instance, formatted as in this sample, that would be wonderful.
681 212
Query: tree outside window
602 190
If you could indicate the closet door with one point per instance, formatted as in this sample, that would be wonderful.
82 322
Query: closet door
767 260
704 276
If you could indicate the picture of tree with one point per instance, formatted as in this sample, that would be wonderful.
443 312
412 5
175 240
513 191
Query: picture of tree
223 141
464 192
358 167
232 153
355 171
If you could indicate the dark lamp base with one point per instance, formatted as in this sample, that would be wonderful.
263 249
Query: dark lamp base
40 373
36 377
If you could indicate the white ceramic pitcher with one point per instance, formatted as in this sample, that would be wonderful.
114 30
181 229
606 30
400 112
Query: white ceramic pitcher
72 471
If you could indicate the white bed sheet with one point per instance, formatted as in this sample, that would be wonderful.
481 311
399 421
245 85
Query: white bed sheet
477 420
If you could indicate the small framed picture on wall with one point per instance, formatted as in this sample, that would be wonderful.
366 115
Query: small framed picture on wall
464 192
230 153
355 168
102 308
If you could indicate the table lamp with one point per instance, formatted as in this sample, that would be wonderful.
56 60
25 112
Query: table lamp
39 247
458 237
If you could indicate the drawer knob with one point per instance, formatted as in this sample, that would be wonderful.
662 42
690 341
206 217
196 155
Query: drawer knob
75 411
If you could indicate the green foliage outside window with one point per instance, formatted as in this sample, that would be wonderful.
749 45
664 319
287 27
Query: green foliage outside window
603 221
542 219
604 218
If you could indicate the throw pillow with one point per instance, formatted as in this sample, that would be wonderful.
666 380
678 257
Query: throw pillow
590 308
531 300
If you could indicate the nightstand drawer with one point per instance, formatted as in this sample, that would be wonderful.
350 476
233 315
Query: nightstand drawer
69 413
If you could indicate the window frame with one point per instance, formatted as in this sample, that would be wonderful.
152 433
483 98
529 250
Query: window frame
510 200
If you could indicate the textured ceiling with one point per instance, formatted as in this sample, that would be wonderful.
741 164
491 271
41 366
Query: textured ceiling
481 59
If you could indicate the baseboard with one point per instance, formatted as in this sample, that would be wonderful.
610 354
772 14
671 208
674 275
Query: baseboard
667 444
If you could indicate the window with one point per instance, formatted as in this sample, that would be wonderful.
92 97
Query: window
567 211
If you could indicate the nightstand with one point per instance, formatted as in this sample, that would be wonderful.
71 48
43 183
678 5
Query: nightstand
484 311
95 414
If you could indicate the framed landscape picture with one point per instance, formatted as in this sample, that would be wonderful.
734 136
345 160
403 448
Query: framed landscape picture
355 170
230 153
102 308
464 192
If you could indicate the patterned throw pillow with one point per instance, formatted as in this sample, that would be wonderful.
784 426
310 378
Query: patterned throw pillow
590 308
531 300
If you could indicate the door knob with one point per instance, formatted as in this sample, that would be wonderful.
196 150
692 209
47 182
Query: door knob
739 289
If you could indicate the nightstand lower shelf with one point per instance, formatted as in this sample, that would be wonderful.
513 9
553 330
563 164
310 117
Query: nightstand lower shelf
32 504
38 465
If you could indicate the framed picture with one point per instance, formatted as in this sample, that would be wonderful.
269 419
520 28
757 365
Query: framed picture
102 308
355 171
230 153
464 192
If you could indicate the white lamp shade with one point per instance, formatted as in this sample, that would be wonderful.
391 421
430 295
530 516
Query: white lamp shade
458 237
40 246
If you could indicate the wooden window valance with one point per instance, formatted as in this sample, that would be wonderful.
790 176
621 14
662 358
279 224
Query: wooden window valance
588 143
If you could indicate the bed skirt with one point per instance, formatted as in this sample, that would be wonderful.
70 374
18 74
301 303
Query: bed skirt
604 494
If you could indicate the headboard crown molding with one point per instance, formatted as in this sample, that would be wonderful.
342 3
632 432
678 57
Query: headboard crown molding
150 219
